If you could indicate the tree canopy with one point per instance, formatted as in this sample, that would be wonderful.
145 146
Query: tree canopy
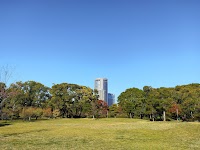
180 102
32 99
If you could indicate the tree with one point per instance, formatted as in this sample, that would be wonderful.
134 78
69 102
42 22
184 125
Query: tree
37 112
27 113
35 94
64 98
131 100
3 97
47 112
56 113
5 75
26 97
102 108
71 100
15 99
175 110
114 110
163 103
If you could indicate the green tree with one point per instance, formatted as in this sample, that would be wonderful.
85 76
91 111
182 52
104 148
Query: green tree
131 101
35 94
72 100
27 113
114 110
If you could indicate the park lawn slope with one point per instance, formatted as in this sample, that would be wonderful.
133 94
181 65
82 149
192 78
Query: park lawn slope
115 133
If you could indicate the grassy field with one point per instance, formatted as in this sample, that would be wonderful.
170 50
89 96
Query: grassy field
99 134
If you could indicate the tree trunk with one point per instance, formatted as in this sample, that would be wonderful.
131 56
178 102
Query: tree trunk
164 116
130 115
152 115
177 114
192 115
13 110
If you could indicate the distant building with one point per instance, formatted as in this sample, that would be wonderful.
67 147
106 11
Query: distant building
111 99
101 85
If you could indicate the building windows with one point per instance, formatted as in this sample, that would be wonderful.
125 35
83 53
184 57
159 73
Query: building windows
101 85
111 99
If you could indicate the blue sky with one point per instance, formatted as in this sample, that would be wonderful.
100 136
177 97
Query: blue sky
132 43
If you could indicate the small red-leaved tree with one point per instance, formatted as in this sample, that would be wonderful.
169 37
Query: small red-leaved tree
175 110
102 107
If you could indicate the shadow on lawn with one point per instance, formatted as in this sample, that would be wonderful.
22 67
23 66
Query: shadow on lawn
4 124
27 132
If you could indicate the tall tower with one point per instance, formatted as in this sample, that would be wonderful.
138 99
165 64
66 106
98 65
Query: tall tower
111 99
101 85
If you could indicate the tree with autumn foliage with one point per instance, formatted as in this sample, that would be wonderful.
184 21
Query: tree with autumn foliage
175 111
32 100
102 108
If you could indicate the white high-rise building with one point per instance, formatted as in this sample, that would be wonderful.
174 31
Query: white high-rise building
101 85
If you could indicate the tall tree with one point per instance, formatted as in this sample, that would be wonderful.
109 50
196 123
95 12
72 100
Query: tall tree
71 100
15 99
5 75
35 94
130 101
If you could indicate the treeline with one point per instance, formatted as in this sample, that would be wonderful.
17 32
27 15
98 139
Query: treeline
178 103
31 99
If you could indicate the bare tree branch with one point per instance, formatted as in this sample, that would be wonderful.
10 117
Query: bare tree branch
5 75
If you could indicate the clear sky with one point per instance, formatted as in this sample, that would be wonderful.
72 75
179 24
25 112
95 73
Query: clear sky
133 43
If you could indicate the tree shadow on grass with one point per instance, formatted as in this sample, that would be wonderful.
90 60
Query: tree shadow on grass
4 124
27 132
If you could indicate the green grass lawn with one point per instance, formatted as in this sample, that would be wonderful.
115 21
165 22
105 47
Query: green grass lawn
99 134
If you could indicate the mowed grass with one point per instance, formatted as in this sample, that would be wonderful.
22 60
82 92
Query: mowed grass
86 134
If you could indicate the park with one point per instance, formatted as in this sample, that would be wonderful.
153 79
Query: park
99 75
